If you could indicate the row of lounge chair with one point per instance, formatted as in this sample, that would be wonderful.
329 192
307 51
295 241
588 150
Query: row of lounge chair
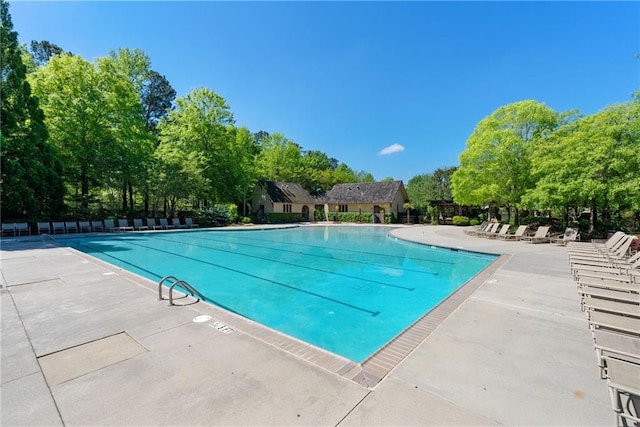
494 230
16 229
608 279
64 227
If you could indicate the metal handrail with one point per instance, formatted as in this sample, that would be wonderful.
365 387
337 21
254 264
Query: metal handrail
188 287
176 282
164 279
42 235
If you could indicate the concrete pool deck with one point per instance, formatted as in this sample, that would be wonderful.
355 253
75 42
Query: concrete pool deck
84 343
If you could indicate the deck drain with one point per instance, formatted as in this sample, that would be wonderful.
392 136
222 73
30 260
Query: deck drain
202 318
222 327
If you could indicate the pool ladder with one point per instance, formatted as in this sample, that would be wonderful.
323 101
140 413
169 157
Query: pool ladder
184 285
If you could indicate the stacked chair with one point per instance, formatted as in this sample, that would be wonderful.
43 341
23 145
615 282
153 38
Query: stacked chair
608 279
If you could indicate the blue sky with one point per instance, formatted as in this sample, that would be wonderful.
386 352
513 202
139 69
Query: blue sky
392 88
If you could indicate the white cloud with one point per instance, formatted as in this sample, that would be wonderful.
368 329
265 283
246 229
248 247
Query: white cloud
393 148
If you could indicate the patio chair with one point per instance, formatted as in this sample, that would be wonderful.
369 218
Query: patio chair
623 380
515 236
58 227
614 322
44 227
502 232
188 222
569 235
625 273
541 236
97 226
109 225
137 225
153 225
84 226
123 225
22 228
176 223
605 257
164 223
472 231
71 226
590 247
615 307
489 230
609 343
624 389
610 294
9 229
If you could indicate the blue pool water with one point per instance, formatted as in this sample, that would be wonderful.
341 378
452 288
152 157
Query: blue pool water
349 290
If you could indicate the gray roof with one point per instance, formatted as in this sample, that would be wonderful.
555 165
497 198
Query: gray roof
286 192
365 192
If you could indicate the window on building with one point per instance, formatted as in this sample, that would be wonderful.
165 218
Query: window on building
343 208
286 208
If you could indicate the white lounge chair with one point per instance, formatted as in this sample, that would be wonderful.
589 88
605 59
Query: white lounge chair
541 236
188 222
123 225
569 235
491 229
164 223
515 236
58 227
9 229
22 228
109 225
153 225
137 225
44 227
502 232
176 223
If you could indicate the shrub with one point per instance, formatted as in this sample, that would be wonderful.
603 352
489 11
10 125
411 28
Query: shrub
246 220
460 220
218 215
474 222
283 217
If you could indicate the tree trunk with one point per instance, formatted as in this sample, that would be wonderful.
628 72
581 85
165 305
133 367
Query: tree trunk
84 190
131 197
593 217
124 198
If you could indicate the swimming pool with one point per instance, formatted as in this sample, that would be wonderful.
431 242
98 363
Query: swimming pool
348 290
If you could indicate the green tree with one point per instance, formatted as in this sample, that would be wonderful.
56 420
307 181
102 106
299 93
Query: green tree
124 73
31 172
280 159
591 162
243 165
495 167
201 126
94 117
42 51
157 98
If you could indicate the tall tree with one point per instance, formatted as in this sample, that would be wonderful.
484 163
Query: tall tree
201 126
157 98
495 167
94 118
31 182
280 159
125 72
43 50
